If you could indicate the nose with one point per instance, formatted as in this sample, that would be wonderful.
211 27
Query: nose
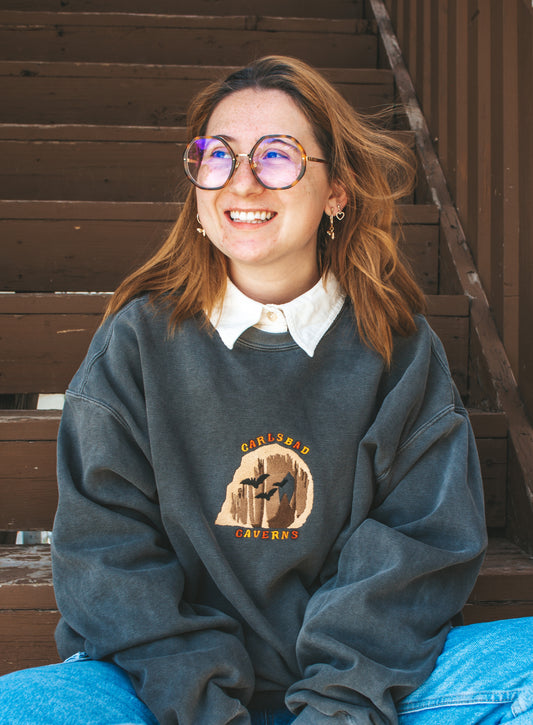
243 179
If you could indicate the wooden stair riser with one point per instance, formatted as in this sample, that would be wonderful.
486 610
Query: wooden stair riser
140 95
164 39
221 8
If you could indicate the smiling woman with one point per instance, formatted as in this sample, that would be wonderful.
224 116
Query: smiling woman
270 504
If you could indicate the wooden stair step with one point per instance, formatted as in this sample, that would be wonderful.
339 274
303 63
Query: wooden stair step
53 246
41 92
155 38
28 614
278 8
26 578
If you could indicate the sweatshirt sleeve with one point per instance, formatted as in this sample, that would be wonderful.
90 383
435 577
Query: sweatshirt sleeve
373 631
119 584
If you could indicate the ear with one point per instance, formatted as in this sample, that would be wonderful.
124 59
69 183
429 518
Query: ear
337 198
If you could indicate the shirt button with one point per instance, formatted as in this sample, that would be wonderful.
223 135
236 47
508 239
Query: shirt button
272 316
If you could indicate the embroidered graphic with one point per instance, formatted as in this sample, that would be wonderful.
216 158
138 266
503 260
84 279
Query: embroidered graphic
271 489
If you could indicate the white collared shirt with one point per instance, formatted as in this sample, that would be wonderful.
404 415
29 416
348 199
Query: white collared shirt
307 318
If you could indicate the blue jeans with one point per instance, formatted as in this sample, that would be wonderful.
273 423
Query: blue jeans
483 676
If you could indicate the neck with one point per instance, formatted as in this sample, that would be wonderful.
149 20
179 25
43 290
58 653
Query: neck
273 289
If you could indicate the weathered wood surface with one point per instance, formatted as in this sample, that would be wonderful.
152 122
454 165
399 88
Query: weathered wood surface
137 95
177 39
28 615
278 8
27 639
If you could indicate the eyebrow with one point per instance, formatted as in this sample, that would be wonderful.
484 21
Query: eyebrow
273 136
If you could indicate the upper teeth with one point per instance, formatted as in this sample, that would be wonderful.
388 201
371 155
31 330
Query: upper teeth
250 216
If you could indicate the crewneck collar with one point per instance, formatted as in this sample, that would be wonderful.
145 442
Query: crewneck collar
307 318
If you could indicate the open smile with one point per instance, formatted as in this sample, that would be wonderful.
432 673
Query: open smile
251 216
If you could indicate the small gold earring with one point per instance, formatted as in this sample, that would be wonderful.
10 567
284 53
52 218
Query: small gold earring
340 214
331 231
200 229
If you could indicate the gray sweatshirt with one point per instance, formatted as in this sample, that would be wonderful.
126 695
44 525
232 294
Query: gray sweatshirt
245 526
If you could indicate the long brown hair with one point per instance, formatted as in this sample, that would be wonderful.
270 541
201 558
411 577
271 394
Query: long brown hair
373 167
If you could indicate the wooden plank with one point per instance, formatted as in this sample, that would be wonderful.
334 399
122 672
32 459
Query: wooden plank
20 425
279 8
448 305
63 304
27 639
488 424
136 94
493 453
507 574
20 24
483 227
494 611
34 506
462 109
41 352
26 578
76 255
88 211
512 150
525 114
166 39
454 332
101 133
421 248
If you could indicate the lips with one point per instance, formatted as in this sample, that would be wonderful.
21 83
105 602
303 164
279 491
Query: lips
251 216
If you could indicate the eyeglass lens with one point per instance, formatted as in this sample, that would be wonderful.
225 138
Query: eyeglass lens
278 162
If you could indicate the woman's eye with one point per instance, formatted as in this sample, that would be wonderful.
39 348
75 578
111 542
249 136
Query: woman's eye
219 154
274 155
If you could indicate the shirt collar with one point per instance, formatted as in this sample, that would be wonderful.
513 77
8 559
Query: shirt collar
307 317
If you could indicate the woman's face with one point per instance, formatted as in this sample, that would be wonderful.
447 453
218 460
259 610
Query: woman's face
275 254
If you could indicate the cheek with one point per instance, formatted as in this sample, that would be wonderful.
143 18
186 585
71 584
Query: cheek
206 204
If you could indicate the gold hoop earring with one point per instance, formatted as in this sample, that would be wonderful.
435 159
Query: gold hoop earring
331 231
200 229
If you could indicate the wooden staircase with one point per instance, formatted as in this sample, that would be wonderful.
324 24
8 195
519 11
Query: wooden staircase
91 134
